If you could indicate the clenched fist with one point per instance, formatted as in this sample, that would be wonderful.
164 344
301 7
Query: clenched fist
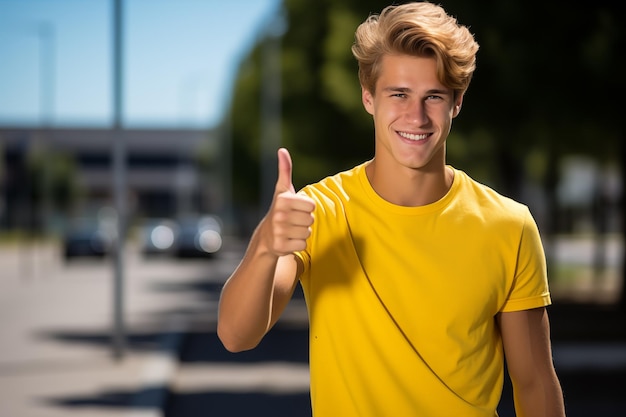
287 224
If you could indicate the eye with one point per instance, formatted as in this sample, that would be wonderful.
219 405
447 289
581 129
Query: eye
434 97
399 95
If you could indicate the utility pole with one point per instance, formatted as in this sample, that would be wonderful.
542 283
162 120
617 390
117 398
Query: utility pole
119 185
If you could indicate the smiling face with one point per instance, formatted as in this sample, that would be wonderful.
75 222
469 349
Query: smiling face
412 113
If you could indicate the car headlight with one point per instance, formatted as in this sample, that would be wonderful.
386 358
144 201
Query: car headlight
210 241
162 237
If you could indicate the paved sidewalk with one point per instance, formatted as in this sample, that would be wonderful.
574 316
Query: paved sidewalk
55 333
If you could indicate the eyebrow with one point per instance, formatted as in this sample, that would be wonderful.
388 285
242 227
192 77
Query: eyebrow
398 89
408 90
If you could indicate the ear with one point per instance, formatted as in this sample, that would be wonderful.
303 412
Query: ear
368 100
458 103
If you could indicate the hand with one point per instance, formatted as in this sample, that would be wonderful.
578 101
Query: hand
287 224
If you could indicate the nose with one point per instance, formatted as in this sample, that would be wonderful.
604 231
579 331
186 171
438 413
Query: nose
416 113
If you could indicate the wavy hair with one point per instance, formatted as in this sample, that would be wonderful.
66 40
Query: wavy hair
419 29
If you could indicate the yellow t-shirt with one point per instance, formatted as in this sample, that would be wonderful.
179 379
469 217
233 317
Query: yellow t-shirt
402 300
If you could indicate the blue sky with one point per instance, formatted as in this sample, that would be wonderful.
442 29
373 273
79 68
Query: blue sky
180 60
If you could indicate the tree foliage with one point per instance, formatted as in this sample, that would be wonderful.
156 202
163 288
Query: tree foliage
549 82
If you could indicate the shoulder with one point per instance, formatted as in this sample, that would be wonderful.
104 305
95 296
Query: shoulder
483 200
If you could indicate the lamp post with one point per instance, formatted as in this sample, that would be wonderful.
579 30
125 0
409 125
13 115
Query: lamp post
36 182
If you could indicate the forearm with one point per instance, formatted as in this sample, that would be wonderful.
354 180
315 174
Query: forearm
526 339
543 398
246 301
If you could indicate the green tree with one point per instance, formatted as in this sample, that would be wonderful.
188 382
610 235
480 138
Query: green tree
540 88
323 122
65 190
549 83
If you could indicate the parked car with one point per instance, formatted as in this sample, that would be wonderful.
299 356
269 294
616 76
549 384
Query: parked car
85 237
198 236
158 236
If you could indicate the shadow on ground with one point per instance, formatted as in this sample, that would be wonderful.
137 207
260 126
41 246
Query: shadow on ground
280 345
284 344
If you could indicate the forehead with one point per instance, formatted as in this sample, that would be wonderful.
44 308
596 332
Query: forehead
406 71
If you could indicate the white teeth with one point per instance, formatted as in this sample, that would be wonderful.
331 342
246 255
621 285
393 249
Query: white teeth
412 136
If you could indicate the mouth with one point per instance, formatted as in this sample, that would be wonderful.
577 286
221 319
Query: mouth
414 137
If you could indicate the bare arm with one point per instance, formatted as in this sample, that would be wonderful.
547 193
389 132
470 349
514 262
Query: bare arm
526 339
254 297
257 292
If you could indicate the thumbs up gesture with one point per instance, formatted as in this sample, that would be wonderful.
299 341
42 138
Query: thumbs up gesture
287 223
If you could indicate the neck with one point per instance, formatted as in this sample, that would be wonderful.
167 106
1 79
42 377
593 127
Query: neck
410 187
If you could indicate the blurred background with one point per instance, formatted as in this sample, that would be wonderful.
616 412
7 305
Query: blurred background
137 154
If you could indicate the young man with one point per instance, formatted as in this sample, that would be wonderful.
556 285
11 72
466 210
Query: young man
418 280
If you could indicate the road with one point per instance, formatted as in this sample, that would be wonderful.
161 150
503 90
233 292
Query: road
56 328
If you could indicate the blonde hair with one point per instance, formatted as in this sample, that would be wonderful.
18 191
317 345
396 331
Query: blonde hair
417 29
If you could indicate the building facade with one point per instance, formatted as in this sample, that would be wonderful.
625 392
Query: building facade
167 173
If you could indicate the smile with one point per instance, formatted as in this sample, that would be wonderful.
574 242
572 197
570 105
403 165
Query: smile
411 136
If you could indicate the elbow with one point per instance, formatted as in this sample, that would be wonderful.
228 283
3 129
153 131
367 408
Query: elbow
231 342
232 345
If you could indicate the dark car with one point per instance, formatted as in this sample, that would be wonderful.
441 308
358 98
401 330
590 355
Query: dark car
85 238
198 237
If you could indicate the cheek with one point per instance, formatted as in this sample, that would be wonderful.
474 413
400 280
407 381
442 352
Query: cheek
385 116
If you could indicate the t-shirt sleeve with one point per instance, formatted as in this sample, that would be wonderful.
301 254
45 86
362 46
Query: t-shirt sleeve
305 258
530 284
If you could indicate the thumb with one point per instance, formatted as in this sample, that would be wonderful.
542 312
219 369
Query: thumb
284 182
